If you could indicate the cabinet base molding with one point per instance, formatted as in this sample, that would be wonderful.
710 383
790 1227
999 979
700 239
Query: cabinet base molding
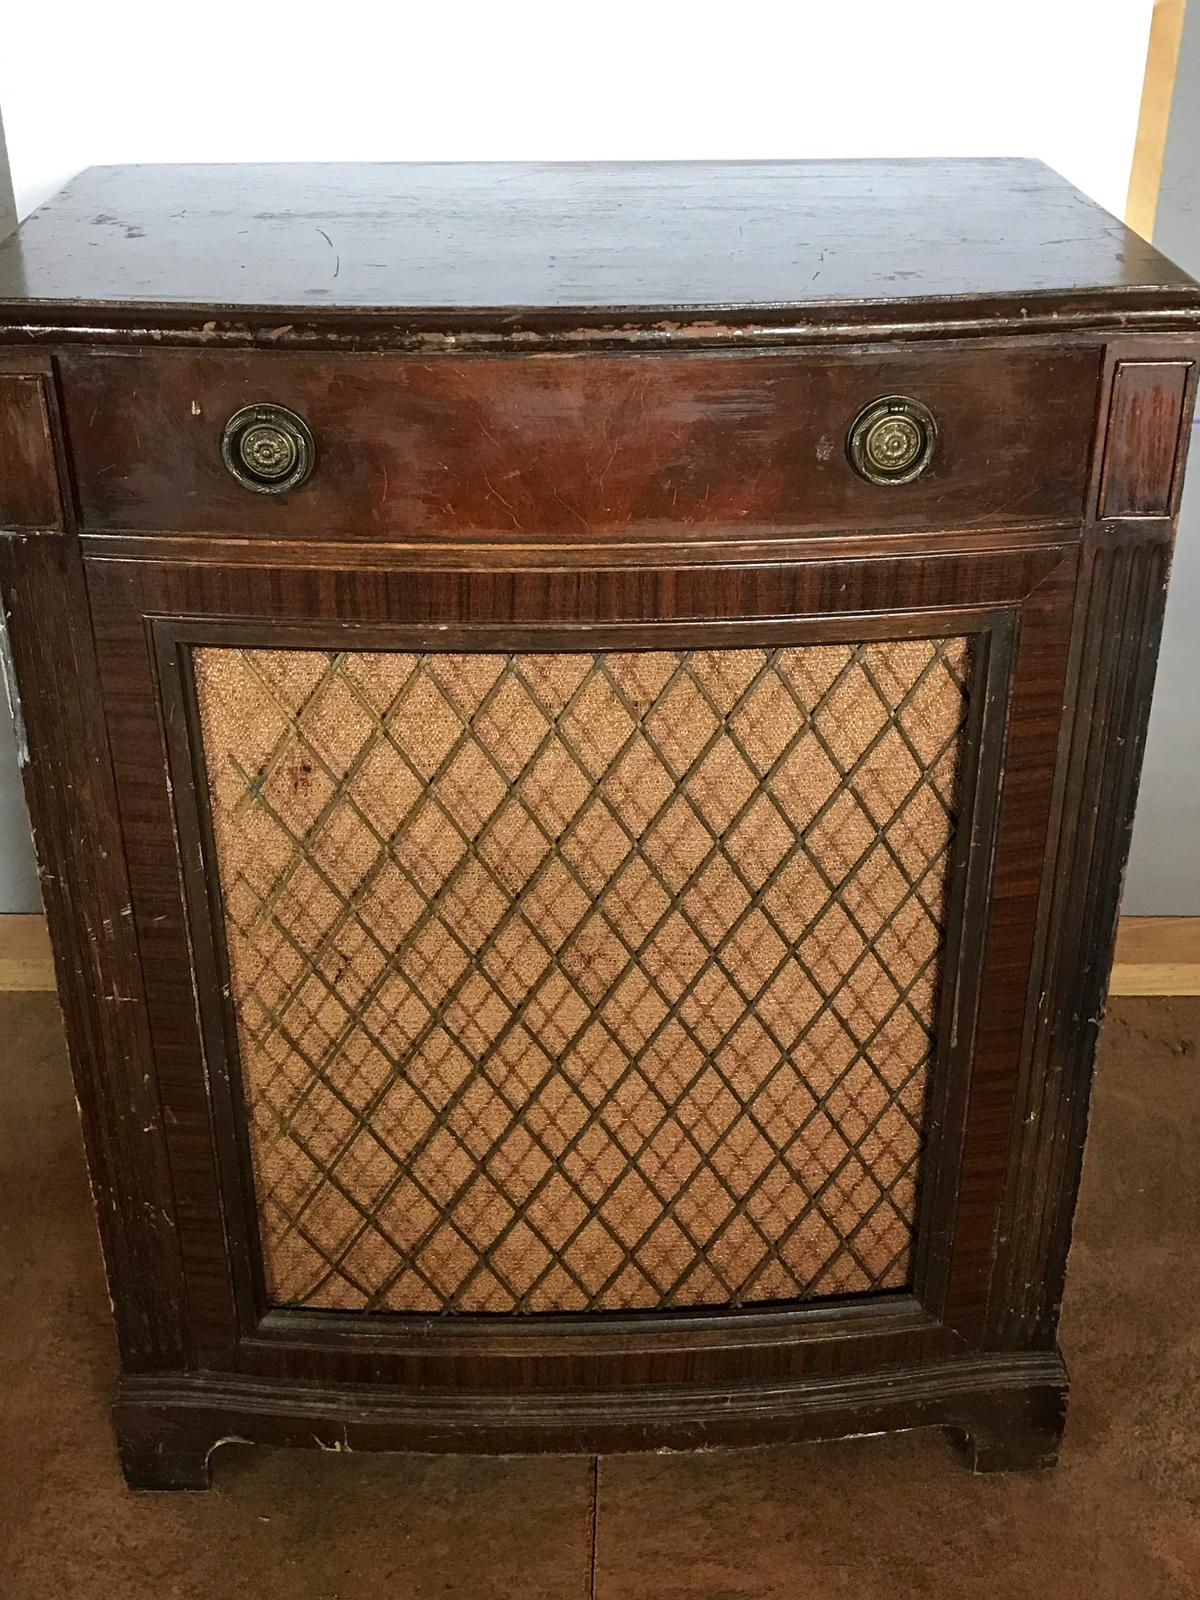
1006 1411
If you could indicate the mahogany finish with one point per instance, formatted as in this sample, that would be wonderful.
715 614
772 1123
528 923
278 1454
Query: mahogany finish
618 446
572 493
28 480
1143 468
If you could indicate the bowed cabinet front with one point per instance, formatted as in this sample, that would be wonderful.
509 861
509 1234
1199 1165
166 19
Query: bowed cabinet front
585 997
583 845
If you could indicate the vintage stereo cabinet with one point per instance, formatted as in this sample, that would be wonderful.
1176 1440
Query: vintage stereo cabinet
582 725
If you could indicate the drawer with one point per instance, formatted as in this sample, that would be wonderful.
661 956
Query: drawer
574 447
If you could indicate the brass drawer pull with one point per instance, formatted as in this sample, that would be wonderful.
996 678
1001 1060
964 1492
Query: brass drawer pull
268 449
892 440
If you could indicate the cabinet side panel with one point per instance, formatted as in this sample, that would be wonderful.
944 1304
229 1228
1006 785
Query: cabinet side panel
1122 603
1118 624
72 804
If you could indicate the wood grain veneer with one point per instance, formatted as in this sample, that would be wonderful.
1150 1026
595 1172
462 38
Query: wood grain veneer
617 447
595 416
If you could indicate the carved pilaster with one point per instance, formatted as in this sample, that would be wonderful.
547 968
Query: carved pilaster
1118 624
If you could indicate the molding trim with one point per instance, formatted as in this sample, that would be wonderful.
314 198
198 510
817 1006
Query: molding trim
1165 308
1007 1407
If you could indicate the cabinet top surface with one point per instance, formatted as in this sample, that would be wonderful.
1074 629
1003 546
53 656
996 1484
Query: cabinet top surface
574 243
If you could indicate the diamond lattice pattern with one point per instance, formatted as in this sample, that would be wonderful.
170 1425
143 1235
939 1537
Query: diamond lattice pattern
583 981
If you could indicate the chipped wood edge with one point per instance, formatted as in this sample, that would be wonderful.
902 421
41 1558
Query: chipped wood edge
1158 90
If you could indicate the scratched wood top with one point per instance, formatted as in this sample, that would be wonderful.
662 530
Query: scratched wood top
576 243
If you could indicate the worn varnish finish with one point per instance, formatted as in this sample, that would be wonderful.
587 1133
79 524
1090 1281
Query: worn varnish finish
575 253
28 479
573 492
1142 470
619 446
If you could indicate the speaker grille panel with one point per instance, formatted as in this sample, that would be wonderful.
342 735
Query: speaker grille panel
583 981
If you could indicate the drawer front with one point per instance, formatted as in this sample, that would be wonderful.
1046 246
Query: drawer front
569 448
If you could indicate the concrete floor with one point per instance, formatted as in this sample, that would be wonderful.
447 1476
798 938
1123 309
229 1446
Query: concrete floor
870 1519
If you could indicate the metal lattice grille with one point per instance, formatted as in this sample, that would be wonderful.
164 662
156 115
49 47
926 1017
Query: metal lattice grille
583 981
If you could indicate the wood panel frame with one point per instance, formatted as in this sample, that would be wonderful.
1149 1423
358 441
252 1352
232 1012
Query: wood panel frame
149 614
993 635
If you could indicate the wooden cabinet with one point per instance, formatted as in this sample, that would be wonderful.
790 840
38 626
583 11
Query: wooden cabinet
581 761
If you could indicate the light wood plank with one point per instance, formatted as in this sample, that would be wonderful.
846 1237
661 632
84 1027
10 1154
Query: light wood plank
25 960
1163 978
1158 89
1158 940
26 977
1157 955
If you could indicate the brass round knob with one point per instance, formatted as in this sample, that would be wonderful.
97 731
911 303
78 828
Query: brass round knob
892 440
268 449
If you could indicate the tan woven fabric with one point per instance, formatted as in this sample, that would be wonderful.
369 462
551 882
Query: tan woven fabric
587 981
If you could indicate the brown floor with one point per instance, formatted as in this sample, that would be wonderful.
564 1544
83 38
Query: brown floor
868 1518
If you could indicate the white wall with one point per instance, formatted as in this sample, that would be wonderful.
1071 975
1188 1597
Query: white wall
1164 867
18 877
82 83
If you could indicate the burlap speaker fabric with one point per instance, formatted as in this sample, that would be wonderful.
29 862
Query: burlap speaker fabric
583 981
